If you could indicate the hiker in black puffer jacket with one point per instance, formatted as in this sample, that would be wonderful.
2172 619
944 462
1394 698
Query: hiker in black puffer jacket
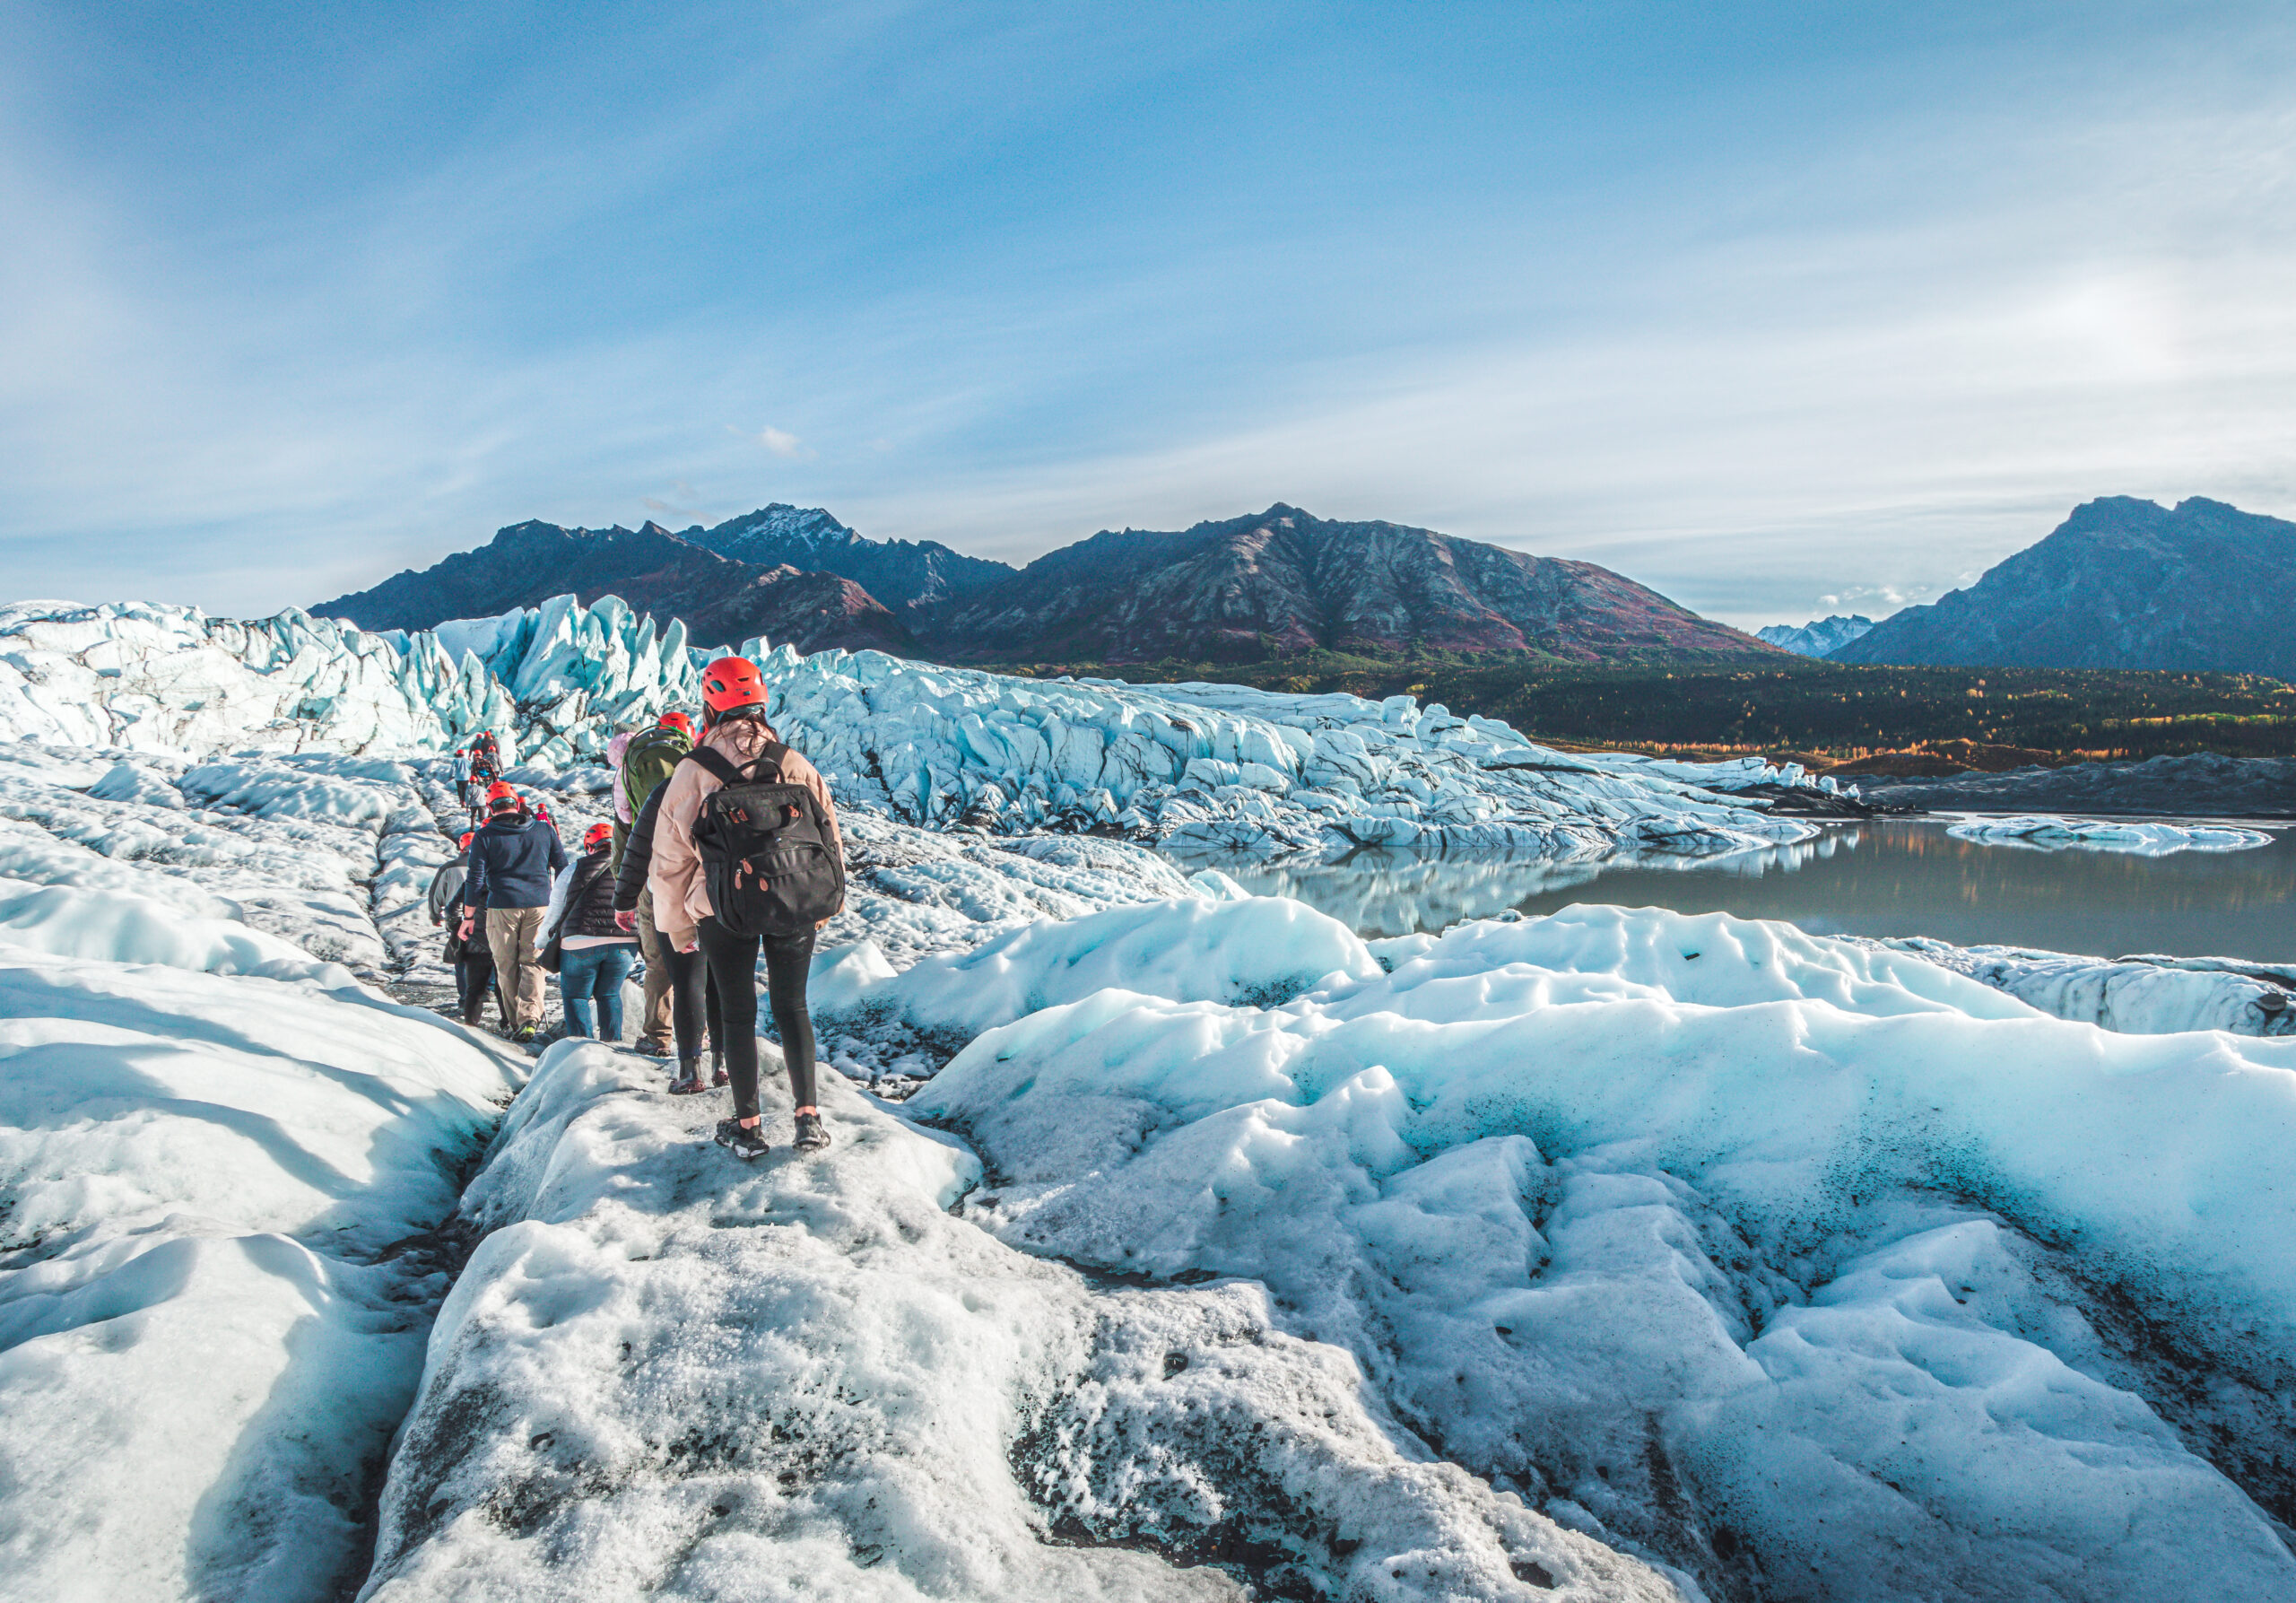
595 953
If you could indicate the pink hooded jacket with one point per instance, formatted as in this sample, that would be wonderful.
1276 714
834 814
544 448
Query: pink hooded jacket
681 899
615 750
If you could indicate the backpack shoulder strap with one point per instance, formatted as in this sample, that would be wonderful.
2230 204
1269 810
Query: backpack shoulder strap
715 762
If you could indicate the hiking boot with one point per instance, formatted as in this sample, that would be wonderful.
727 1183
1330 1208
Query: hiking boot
525 1035
688 1083
718 1075
812 1134
743 1141
653 1047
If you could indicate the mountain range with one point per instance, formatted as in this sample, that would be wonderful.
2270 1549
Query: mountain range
1270 585
905 575
722 599
2122 583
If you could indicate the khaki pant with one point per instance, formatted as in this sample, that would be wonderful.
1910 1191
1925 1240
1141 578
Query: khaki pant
654 1024
511 933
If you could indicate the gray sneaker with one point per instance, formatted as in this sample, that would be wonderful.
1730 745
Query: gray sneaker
743 1141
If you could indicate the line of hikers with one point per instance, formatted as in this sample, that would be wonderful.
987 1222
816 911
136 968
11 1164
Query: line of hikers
723 849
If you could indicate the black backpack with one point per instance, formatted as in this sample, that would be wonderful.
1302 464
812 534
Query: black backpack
770 865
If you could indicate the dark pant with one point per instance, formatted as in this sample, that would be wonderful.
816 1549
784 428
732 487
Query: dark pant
693 997
733 963
473 979
588 975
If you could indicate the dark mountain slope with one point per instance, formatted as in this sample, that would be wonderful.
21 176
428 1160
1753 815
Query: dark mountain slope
722 601
900 574
2122 583
1285 581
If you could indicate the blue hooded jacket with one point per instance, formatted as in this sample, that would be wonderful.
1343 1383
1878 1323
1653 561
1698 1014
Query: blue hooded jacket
512 861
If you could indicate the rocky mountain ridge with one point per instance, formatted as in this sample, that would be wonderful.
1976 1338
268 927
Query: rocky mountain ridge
2122 583
905 575
1283 582
1272 584
722 601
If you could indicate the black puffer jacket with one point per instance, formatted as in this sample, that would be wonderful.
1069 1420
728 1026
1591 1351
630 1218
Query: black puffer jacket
592 913
638 853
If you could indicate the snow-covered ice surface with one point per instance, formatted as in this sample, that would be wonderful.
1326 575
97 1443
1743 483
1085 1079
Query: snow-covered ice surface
1451 1265
2137 995
1212 765
665 1374
222 1165
1220 948
1818 1270
2050 832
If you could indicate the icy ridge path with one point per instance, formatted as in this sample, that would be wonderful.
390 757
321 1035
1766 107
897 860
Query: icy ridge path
665 1373
1817 1269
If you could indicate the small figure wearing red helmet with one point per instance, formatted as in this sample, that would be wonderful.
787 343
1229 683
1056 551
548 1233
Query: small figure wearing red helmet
594 955
739 749
465 947
513 861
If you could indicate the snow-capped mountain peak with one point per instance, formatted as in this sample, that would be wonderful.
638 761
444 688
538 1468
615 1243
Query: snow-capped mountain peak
1822 637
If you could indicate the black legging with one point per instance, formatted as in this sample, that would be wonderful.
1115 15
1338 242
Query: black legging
733 962
693 997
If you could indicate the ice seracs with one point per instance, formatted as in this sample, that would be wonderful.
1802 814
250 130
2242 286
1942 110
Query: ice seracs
1213 766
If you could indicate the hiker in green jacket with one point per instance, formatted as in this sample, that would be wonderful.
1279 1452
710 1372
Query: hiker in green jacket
645 761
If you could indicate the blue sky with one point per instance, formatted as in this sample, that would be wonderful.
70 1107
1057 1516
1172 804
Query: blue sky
1778 308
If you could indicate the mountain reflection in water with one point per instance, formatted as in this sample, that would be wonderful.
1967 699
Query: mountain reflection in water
1879 877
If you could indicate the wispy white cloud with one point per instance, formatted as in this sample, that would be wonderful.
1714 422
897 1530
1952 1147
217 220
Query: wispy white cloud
1869 367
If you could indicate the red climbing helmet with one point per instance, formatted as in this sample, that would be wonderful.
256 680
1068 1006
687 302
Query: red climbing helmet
678 721
468 836
731 684
501 798
595 836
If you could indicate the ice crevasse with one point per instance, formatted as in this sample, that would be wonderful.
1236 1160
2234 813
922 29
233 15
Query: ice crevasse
221 1162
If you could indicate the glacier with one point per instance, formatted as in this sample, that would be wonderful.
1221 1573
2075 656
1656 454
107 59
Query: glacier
1213 766
1176 1240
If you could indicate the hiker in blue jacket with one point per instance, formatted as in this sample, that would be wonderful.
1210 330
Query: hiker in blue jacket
512 862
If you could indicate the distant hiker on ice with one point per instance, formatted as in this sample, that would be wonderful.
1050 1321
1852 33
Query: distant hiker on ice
466 948
643 761
746 853
462 776
512 862
580 940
